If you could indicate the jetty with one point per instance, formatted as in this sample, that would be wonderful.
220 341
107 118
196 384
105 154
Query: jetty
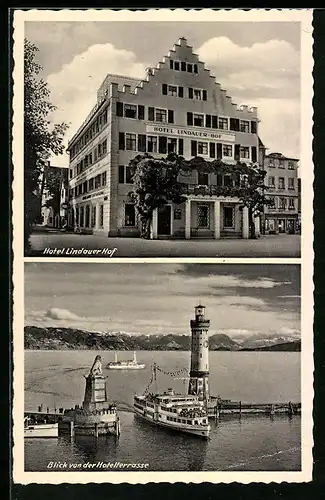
218 407
95 417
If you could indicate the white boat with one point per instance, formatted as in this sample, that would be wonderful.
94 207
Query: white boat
40 430
175 411
129 364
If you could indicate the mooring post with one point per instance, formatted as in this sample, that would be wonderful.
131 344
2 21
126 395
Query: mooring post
239 409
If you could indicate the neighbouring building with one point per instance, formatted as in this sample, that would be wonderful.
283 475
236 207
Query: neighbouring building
282 181
178 107
55 214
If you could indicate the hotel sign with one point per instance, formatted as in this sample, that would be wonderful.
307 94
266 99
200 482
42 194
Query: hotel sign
207 134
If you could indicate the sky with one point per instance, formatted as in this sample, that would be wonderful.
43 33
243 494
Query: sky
257 62
240 300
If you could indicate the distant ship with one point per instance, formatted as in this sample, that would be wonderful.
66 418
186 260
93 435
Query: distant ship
129 364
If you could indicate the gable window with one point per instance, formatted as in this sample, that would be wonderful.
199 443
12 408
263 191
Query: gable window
198 94
161 115
198 120
203 178
130 111
244 126
202 148
129 215
223 123
130 142
172 90
227 150
152 144
203 216
244 152
171 64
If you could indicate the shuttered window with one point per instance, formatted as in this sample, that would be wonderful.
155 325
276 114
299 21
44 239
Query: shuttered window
121 141
189 118
151 114
253 127
212 150
219 150
237 152
180 147
180 91
140 112
214 121
119 109
208 121
190 93
164 89
142 142
254 154
204 95
162 145
193 148
170 116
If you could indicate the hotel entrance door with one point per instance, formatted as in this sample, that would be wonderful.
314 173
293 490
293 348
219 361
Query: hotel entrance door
164 223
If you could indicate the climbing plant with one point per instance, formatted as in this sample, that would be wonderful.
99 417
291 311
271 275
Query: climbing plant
156 182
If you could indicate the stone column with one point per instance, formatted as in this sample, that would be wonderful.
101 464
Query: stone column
245 223
97 216
257 226
217 220
188 219
154 224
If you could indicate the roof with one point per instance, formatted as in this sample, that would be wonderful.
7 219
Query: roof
280 156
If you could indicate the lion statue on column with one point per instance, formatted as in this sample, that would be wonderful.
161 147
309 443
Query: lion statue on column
96 369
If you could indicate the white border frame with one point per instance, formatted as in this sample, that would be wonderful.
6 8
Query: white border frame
304 16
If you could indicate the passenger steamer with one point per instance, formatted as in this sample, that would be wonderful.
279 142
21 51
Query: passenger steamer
174 411
129 364
184 413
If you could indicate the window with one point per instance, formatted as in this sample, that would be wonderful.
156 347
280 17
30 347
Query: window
198 94
104 147
121 174
97 181
281 164
101 215
176 65
228 217
152 144
244 126
198 120
130 142
271 182
282 203
271 202
223 123
227 150
244 152
271 164
195 68
281 184
172 90
128 175
202 216
228 180
183 66
171 145
202 148
171 64
177 214
161 115
104 178
129 215
203 178
91 184
189 68
291 165
291 183
130 111
291 203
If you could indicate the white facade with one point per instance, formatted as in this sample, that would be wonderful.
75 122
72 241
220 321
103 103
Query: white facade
178 107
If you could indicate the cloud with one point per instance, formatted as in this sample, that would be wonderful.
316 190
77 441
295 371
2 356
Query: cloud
61 314
231 281
266 75
74 87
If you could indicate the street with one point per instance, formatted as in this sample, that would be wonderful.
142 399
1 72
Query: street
76 245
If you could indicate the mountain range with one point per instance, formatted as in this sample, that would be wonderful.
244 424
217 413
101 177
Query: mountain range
54 338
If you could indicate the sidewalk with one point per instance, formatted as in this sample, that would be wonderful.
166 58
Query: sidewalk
282 245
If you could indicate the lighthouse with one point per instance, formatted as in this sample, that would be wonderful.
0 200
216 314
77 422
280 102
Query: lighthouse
199 371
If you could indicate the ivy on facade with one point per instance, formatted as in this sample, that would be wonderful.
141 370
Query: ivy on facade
156 182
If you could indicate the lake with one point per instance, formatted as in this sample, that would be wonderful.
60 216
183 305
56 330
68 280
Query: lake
252 443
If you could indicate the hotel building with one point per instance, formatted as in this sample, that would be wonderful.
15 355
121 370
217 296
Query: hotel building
178 107
283 191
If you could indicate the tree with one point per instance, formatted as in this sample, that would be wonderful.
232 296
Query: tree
156 183
41 139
